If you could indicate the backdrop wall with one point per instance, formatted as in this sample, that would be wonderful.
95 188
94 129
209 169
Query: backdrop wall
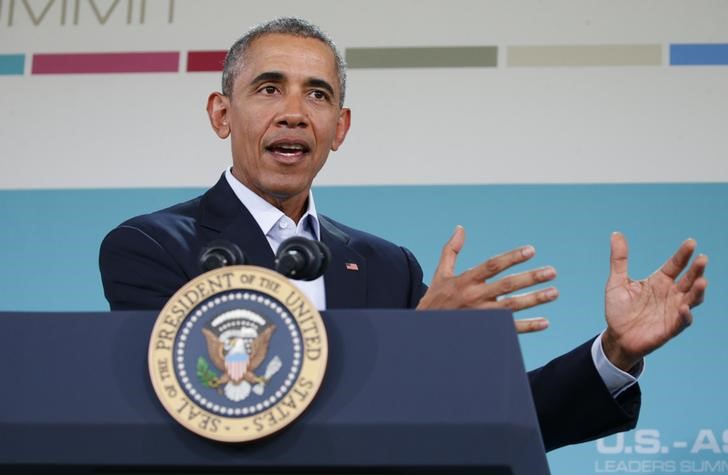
550 123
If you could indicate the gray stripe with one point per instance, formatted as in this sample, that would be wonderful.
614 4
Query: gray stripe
423 57
585 55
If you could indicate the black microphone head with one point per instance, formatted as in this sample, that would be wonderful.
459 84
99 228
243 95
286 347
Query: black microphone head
220 253
326 256
302 259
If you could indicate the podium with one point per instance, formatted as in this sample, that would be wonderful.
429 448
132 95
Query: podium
437 391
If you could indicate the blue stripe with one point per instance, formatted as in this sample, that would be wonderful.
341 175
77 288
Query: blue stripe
50 239
698 54
51 234
12 64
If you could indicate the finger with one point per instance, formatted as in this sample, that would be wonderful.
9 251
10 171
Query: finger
697 293
618 272
696 270
449 254
496 265
515 282
520 302
686 318
679 260
529 325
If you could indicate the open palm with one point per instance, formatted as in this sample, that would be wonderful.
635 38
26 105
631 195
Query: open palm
643 315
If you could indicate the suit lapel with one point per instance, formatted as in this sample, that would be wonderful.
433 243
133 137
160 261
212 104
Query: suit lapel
223 212
345 278
245 232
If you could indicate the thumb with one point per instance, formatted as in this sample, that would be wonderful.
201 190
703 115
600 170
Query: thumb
446 266
618 260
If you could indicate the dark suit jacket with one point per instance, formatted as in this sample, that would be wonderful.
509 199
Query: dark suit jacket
146 259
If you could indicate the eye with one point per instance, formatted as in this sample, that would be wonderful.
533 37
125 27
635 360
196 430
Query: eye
319 95
268 90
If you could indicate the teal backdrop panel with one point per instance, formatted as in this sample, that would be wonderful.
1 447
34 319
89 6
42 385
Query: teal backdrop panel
49 252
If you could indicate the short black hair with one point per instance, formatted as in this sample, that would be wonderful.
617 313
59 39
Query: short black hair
285 26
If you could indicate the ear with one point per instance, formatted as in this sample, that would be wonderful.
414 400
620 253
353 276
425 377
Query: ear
218 107
342 127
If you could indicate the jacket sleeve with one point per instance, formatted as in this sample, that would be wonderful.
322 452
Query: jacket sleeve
573 403
417 286
137 272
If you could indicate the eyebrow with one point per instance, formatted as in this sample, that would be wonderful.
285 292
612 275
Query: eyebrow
314 82
275 76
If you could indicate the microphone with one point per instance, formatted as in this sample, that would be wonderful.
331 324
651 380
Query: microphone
302 259
220 253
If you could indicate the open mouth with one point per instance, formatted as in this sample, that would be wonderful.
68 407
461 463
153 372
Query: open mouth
288 149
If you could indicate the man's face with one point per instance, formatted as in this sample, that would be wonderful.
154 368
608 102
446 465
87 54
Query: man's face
283 117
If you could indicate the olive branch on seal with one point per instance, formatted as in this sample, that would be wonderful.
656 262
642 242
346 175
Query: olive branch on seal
207 376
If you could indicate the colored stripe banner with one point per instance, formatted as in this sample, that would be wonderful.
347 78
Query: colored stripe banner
205 60
410 57
585 55
99 63
698 54
423 57
12 64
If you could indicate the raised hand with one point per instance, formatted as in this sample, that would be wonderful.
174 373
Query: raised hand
643 315
473 289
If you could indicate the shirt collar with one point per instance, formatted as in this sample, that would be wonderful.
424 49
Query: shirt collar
267 215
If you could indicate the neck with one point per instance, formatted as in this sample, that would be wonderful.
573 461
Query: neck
294 207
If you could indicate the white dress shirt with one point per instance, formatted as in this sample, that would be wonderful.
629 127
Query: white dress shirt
278 227
615 379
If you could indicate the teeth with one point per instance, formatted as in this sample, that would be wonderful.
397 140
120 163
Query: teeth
292 147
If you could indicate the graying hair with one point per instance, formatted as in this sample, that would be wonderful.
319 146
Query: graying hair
286 26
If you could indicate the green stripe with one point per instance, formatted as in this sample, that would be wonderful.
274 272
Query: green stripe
585 55
423 57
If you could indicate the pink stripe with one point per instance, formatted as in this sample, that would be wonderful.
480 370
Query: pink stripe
205 60
85 63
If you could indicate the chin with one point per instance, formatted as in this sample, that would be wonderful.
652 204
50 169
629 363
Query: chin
283 192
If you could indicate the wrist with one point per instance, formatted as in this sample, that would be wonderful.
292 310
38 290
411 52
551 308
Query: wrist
616 354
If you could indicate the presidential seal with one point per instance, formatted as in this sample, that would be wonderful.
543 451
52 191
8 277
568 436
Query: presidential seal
237 354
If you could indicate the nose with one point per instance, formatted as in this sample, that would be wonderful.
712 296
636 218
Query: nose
293 114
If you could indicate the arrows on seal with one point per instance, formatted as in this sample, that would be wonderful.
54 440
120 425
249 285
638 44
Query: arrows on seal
273 366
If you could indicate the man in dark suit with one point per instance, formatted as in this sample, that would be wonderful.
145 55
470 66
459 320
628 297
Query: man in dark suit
282 108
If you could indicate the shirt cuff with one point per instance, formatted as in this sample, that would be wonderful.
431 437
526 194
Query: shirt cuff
616 380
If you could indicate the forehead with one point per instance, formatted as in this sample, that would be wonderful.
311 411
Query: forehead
294 56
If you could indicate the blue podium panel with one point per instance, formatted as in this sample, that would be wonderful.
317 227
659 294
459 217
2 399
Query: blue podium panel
403 390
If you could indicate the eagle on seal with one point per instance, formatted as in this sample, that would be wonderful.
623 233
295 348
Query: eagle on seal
238 365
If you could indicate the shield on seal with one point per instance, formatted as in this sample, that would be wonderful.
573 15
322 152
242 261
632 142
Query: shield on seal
236 364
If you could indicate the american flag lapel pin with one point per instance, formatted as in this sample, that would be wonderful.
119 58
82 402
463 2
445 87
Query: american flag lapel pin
352 266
